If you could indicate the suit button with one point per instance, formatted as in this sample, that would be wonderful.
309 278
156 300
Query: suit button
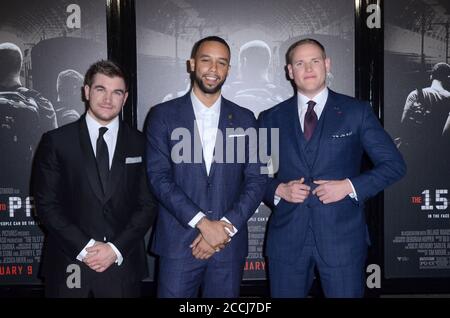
308 206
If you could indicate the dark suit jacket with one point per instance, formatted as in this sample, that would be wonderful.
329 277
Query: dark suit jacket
233 189
71 205
346 129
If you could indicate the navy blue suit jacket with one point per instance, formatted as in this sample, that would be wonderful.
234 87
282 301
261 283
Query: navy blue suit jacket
232 190
346 129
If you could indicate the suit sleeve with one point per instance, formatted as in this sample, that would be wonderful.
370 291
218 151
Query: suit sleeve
254 185
388 163
47 188
159 170
141 219
272 182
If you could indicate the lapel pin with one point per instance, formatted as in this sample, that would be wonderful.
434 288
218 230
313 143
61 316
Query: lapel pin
230 117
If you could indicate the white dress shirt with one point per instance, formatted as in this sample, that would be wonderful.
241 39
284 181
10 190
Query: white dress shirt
110 138
207 120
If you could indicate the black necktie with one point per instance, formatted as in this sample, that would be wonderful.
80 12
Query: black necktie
102 158
310 120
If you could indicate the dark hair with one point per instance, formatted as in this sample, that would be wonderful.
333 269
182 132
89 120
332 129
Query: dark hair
290 50
105 67
441 71
208 39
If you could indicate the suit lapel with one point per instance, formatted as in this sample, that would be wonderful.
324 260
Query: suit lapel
294 127
118 163
89 162
187 120
326 123
225 121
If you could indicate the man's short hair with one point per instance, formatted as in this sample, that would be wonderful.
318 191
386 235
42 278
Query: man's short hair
441 72
290 50
212 38
10 59
105 67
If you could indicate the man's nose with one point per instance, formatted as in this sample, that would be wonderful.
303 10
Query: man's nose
107 97
308 66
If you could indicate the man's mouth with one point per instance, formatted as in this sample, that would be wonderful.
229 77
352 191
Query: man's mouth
212 79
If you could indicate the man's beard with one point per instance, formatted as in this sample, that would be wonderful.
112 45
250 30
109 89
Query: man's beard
205 89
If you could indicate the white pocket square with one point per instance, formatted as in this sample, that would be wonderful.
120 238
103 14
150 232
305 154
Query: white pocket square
347 134
236 135
129 160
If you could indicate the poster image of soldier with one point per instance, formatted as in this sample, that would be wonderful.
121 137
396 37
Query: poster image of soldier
69 105
424 127
253 88
24 114
426 111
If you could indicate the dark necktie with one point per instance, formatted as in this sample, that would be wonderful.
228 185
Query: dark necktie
310 120
102 158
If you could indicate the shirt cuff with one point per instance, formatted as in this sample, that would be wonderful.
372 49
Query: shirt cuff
119 259
196 219
231 234
276 200
83 253
352 195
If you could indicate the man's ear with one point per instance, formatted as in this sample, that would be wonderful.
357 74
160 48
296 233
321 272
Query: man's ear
328 64
86 92
125 98
289 71
192 65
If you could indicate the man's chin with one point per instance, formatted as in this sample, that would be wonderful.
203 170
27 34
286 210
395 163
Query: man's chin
211 90
208 89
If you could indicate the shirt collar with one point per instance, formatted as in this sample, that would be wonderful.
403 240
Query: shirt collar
93 125
320 99
200 108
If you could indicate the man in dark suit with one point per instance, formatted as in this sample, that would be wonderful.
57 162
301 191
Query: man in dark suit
317 193
204 172
92 196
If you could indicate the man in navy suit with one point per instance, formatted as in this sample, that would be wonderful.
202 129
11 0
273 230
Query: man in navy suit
202 168
317 192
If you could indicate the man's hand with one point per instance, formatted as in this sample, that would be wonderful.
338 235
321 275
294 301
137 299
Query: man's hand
214 232
294 191
100 257
201 249
330 191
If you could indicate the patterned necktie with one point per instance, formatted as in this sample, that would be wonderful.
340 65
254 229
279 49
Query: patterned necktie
310 120
102 158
